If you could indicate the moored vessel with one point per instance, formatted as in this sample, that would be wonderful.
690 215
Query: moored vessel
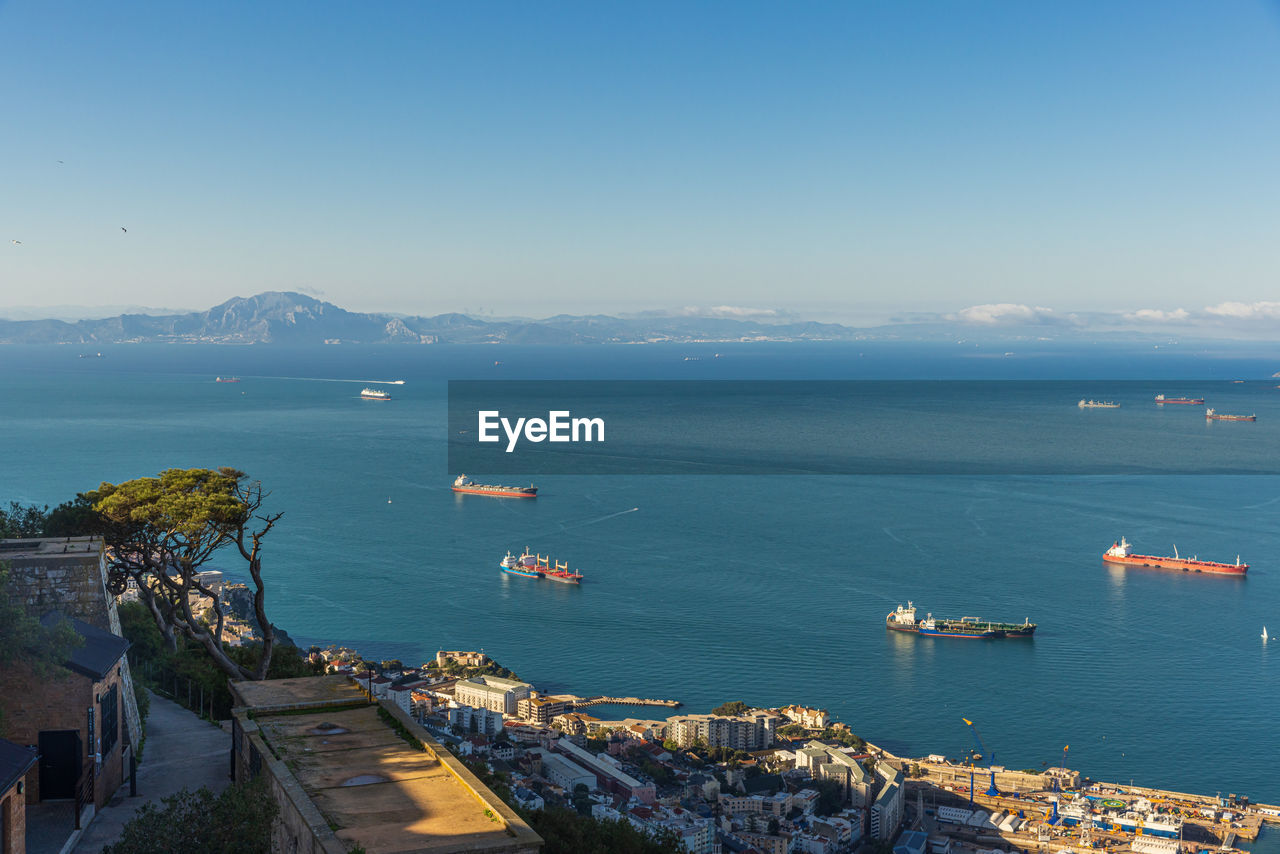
513 565
529 565
904 620
374 394
1097 404
1122 553
464 484
1189 401
560 572
1214 415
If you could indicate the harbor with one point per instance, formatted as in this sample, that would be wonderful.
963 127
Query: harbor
602 700
1059 810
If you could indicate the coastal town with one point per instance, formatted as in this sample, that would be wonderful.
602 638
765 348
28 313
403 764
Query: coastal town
781 780
739 778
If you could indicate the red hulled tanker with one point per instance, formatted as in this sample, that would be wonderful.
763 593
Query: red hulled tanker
1122 553
465 484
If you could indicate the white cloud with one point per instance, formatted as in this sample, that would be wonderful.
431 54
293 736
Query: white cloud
1157 315
734 311
1245 310
1005 312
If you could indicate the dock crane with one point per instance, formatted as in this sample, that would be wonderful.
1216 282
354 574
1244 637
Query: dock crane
976 756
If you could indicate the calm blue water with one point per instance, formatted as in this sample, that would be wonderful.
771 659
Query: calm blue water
770 589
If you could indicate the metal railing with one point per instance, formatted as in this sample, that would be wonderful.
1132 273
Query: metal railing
84 789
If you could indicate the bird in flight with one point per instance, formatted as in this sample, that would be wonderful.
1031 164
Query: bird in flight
125 230
16 242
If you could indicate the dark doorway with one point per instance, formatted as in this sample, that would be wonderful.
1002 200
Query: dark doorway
59 763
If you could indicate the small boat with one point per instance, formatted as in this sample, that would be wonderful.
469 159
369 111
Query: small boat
1264 634
374 394
227 380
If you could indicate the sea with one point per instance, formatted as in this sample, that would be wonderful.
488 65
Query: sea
768 588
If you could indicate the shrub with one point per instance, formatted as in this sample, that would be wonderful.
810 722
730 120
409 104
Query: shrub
238 821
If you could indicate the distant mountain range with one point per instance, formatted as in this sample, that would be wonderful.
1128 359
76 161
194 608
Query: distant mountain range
292 318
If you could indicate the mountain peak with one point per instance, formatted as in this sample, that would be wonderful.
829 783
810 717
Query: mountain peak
287 317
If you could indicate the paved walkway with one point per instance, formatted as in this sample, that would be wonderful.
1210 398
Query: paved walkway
50 825
181 752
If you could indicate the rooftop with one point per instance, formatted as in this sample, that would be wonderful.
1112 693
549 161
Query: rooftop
50 547
300 691
496 682
99 651
15 762
585 757
369 784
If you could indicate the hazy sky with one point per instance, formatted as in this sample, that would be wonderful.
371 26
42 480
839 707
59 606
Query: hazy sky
845 158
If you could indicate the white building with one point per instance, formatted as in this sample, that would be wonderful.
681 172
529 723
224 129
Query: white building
855 782
752 731
492 693
565 773
606 775
775 805
402 696
696 835
812 843
486 721
886 809
842 830
527 799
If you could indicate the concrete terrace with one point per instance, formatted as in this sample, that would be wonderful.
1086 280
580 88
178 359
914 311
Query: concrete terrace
370 786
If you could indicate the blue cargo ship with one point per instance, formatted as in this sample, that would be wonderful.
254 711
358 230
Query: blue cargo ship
513 565
904 620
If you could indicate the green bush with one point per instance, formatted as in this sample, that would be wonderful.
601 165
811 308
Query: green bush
238 821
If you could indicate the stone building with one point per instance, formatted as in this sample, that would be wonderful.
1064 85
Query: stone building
69 574
460 656
83 717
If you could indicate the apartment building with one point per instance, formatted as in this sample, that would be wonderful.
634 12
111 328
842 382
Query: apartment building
493 693
752 731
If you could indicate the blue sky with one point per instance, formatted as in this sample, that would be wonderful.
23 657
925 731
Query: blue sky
842 159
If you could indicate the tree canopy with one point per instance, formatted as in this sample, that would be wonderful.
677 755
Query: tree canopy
161 530
736 707
70 519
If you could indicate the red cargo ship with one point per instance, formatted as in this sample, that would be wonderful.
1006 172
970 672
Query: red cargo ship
465 484
1122 553
1190 401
